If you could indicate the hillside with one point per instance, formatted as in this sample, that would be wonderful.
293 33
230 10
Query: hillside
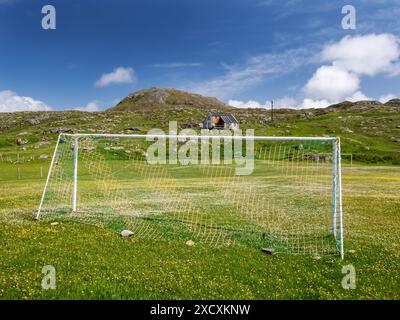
370 131
167 98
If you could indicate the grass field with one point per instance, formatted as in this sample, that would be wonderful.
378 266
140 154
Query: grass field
94 262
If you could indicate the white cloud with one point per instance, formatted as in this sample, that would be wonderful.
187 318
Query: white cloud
310 103
251 104
331 83
357 96
385 98
11 102
117 76
307 103
238 78
364 55
285 102
92 106
351 58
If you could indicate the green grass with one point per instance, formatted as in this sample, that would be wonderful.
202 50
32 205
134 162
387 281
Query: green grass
94 262
375 136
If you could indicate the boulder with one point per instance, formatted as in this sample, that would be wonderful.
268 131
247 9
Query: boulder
42 143
126 233
132 129
53 131
268 250
33 121
21 142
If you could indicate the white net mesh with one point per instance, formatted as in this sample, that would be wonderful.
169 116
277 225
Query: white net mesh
288 202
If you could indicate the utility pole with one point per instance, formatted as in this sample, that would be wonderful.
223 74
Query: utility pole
272 110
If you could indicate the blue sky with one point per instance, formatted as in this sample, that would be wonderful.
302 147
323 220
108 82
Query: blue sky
244 52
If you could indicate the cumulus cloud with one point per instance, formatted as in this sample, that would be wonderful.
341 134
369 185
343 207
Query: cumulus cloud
385 98
11 102
310 103
117 76
331 83
323 103
307 103
364 55
357 96
285 102
350 59
251 104
92 106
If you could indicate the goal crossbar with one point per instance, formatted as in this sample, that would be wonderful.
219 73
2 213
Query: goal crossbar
183 136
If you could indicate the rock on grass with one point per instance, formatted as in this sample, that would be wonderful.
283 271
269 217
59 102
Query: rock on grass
126 233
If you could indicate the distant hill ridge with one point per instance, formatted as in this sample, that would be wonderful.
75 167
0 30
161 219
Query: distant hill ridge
171 98
167 97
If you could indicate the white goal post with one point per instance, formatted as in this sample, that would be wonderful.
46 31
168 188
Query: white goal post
290 198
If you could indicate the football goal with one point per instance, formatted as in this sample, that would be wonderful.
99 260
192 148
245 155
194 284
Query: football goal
276 192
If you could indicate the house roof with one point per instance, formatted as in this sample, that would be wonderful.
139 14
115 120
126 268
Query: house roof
226 117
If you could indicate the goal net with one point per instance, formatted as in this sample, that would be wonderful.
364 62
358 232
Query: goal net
277 192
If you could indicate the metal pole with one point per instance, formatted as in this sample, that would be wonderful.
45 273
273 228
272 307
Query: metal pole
334 186
272 110
75 175
340 200
48 178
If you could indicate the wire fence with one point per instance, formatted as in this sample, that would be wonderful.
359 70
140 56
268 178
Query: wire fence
23 167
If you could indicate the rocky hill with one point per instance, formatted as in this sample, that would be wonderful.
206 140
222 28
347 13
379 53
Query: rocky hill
365 106
167 98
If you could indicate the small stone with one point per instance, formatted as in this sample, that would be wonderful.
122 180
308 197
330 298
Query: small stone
54 223
347 130
21 142
268 250
126 233
190 243
33 121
